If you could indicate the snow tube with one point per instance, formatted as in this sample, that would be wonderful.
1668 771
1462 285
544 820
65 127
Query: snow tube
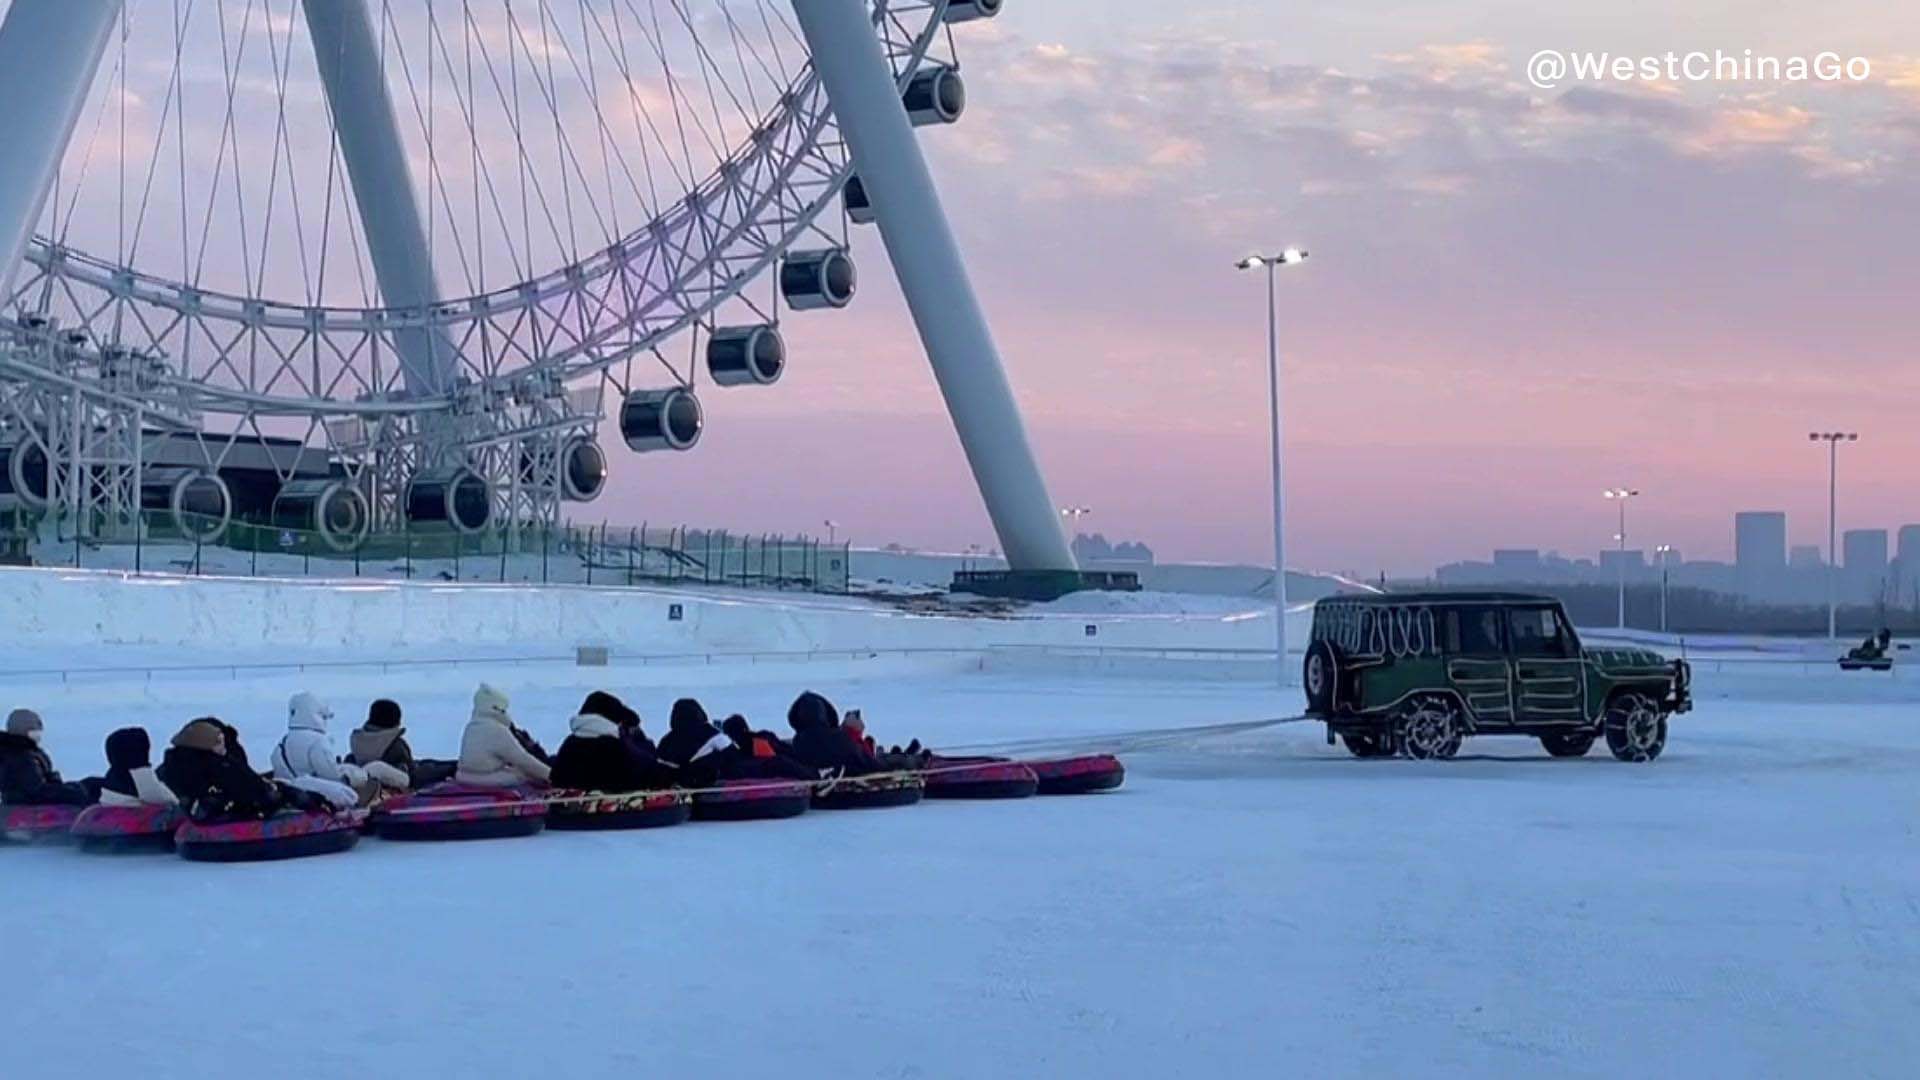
582 811
753 800
978 778
1077 776
127 828
870 792
283 836
28 823
453 811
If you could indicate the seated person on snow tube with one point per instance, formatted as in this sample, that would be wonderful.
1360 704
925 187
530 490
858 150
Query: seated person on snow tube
694 746
27 775
212 781
130 779
603 754
384 739
1874 647
491 752
819 742
305 759
854 726
761 755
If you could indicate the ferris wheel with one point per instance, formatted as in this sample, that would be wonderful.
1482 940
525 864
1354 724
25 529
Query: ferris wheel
368 264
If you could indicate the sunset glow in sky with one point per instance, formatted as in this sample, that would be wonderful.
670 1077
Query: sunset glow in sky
1517 298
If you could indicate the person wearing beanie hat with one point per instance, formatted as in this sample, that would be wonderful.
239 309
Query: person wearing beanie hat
305 758
27 775
601 755
201 770
382 742
130 779
491 753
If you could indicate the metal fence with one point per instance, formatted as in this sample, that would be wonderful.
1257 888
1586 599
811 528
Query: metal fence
573 554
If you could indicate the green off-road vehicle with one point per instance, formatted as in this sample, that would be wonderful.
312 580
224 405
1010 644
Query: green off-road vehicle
1416 673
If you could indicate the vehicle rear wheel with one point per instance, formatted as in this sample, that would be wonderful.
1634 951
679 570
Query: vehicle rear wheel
1318 675
1574 745
1369 746
1431 726
1636 728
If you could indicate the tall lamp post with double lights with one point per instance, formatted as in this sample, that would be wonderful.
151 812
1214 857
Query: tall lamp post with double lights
1271 263
1621 495
1833 439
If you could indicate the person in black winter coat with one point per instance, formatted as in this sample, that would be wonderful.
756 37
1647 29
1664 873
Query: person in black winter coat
761 755
600 754
819 742
130 779
695 746
27 775
211 781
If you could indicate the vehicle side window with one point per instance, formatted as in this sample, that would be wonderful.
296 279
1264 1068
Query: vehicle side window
1474 632
1538 632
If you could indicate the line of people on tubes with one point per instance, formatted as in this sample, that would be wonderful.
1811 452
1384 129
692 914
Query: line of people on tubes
206 770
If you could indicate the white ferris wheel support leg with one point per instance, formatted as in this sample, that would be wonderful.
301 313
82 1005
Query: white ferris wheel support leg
920 244
347 52
49 53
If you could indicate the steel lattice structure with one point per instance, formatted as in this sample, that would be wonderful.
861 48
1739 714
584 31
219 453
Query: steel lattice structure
123 387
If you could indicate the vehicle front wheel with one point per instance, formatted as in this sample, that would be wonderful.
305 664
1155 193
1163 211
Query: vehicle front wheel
1636 728
1431 726
1575 745
1369 746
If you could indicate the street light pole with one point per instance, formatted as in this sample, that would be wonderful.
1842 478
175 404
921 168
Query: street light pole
1665 551
1833 439
1271 263
1621 495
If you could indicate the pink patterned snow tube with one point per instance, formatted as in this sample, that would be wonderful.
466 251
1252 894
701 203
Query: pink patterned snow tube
283 836
753 800
127 828
978 778
37 822
453 811
1079 775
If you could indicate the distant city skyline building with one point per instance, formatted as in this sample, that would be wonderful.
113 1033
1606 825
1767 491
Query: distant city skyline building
1760 539
1806 557
1760 552
1864 551
1634 559
1907 551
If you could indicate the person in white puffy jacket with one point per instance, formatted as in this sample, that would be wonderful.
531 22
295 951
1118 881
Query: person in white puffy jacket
490 755
306 759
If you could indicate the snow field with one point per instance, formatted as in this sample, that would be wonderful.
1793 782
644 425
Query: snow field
1248 905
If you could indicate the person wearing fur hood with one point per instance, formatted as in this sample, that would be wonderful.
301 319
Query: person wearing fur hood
306 759
130 779
604 754
491 755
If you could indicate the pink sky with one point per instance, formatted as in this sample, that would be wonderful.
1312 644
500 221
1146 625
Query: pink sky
1516 299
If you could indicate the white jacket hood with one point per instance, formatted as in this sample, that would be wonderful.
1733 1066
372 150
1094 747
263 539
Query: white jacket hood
305 712
490 704
593 725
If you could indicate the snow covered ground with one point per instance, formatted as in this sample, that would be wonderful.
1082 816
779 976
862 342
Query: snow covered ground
1249 904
